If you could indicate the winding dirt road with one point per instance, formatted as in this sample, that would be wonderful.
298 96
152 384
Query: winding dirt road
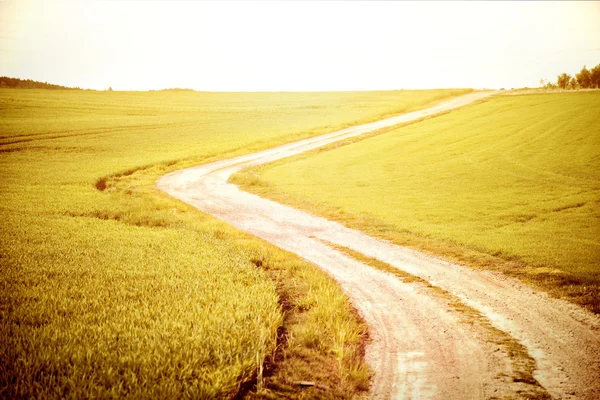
423 346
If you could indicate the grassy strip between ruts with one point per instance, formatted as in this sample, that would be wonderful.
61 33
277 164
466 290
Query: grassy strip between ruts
509 184
514 365
125 292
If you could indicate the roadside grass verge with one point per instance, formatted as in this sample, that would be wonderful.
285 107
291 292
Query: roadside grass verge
111 288
321 338
510 184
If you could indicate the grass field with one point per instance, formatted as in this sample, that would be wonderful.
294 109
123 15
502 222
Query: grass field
125 292
510 184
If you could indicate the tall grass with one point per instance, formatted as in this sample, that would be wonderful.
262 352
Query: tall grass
123 291
510 184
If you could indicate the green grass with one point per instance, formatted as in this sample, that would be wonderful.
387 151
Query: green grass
127 292
509 184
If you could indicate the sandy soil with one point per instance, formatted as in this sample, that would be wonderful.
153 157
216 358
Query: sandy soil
421 347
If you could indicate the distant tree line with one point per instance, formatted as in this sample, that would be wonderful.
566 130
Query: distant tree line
585 79
6 82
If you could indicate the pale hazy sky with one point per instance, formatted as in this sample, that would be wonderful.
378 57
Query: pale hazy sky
313 45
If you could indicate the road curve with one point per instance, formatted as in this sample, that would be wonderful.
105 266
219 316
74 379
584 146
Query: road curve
420 349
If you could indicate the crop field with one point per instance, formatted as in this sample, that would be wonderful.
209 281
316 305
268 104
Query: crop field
511 184
111 289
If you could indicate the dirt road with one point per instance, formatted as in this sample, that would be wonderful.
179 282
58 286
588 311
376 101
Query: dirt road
457 333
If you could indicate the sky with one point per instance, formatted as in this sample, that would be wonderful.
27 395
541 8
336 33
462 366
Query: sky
296 45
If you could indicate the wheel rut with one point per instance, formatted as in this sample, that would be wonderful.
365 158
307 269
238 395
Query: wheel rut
422 345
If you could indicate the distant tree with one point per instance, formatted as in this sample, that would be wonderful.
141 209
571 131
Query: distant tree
573 84
110 89
595 77
584 78
7 82
563 80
